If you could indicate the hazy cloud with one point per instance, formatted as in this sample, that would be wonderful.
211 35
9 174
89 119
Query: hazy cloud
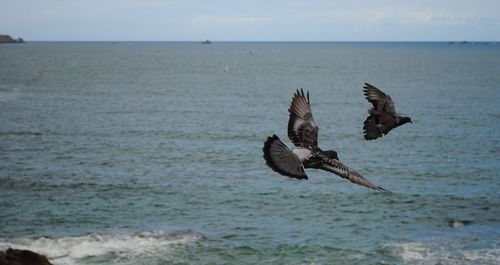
250 20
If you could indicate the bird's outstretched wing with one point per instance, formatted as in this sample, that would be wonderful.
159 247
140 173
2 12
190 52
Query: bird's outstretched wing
371 130
281 159
302 130
341 170
380 100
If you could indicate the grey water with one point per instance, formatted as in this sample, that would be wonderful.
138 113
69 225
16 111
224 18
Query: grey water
151 153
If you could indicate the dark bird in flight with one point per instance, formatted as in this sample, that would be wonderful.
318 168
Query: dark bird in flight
383 117
303 132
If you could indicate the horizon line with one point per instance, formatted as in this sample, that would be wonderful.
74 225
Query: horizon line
220 41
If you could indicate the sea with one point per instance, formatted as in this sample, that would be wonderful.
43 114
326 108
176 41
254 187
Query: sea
151 153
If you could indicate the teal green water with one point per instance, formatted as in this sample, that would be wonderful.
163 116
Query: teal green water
151 153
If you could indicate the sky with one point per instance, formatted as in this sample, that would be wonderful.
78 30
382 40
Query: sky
251 20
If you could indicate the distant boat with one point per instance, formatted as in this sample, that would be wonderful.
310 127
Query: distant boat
206 42
460 42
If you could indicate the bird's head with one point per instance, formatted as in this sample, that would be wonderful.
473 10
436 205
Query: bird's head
404 120
332 154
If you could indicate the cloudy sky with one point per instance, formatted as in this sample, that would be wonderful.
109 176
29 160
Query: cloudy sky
251 20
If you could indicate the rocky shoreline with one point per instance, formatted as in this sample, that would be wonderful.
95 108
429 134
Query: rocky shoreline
22 257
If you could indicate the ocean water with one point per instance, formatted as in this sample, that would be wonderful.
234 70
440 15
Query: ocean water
151 153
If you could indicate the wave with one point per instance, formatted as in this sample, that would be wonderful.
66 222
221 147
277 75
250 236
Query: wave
444 253
7 133
105 248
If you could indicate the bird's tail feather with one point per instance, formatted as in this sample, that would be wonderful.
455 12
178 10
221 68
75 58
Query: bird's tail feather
281 159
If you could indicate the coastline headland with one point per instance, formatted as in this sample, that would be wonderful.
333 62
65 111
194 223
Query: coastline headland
8 39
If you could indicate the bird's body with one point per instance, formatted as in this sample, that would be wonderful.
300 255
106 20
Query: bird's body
303 132
302 153
382 116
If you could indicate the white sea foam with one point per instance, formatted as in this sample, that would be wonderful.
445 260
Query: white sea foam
112 247
444 253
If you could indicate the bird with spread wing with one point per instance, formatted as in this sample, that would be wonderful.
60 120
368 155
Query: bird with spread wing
303 132
382 117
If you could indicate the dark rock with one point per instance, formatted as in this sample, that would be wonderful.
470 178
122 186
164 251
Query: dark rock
22 257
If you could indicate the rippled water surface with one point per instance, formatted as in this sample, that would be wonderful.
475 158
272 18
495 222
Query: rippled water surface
151 153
